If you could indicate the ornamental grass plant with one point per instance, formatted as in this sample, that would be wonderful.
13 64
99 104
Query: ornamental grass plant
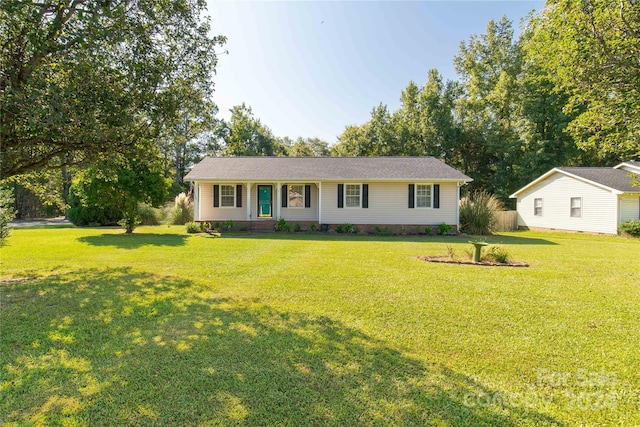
478 213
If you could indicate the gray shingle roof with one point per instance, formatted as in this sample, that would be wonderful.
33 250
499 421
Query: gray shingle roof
323 169
617 179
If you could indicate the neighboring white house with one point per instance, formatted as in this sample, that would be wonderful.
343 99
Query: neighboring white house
584 199
410 191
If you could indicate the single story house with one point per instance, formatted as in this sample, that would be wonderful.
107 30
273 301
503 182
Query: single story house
363 191
594 200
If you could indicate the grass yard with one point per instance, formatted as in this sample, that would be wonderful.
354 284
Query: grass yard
166 328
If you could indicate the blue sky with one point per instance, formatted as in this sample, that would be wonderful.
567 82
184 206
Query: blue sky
310 69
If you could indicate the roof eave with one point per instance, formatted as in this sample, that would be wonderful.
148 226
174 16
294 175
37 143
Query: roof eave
534 182
194 179
574 176
594 183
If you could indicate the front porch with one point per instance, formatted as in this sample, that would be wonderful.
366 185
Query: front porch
257 202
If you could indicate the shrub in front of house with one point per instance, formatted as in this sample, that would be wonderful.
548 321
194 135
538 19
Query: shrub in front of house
283 225
383 231
192 227
182 210
444 229
347 228
631 227
478 213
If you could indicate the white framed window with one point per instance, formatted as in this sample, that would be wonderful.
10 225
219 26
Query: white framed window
227 196
576 207
296 196
424 196
352 195
537 207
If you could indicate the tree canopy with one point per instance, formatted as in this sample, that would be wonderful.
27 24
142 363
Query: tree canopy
245 135
81 78
591 48
565 92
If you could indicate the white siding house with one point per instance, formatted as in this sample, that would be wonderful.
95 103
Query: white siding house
415 191
592 200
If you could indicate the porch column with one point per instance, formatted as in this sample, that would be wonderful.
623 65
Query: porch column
319 185
278 199
196 202
460 184
248 184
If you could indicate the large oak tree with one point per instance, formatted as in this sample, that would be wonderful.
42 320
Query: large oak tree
80 79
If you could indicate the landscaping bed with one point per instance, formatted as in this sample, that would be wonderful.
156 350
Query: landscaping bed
448 260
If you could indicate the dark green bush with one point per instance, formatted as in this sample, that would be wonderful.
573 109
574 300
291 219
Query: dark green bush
283 225
7 213
444 229
346 228
383 231
631 227
192 227
82 215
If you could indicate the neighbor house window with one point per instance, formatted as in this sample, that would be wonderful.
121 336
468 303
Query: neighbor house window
352 195
423 196
296 196
537 207
576 207
227 196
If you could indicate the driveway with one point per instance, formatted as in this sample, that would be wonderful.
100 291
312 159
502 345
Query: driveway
39 222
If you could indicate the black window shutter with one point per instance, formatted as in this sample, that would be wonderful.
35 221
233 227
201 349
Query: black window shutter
216 196
436 196
285 196
239 196
365 195
340 195
411 196
307 196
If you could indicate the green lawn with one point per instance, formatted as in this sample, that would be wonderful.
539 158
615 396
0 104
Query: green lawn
162 327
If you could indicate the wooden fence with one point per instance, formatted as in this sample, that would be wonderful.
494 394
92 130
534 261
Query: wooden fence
507 221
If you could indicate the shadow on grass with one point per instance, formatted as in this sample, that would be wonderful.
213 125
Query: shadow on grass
113 347
512 240
135 240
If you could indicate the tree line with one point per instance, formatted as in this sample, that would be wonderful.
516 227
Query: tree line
113 95
564 93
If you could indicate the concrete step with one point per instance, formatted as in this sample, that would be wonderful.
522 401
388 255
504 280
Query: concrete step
263 226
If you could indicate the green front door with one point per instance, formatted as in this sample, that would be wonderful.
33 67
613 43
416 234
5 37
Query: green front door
264 201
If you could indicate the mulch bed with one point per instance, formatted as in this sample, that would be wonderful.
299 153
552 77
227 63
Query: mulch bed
447 260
